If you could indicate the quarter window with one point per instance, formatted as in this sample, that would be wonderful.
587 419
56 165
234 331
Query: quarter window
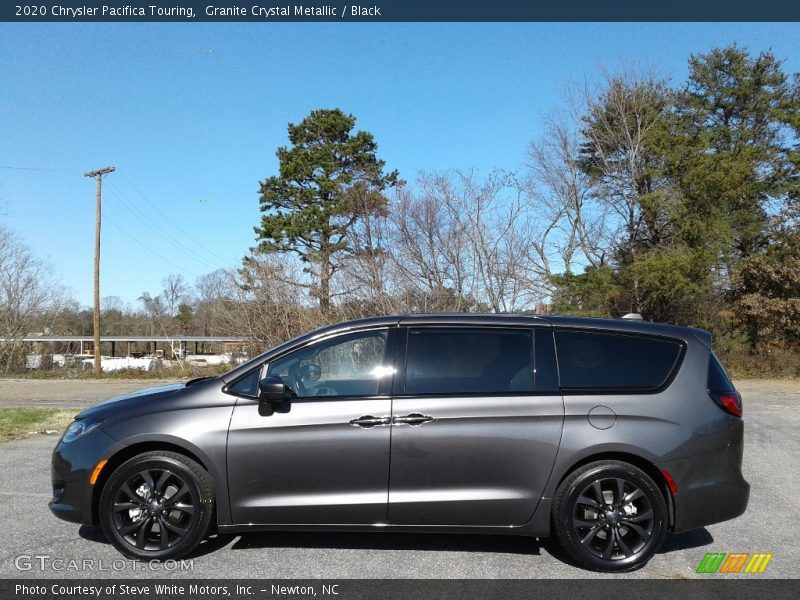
247 385
607 361
453 361
718 380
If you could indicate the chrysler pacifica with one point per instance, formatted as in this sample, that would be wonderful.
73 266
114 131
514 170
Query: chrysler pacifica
605 434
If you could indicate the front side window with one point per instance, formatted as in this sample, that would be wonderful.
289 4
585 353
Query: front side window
346 365
610 361
467 361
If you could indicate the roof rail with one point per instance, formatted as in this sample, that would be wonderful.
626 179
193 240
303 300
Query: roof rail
634 316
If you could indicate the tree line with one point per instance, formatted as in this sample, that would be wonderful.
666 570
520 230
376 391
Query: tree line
676 201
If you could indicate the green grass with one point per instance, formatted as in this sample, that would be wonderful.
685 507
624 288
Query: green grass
18 423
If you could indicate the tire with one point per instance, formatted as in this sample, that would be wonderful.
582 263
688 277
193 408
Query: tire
605 527
157 506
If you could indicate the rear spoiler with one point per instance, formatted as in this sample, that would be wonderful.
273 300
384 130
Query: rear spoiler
702 335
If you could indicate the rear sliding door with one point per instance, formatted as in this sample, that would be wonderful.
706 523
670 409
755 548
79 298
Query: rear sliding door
477 420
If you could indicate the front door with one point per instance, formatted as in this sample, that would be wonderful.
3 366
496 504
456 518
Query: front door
323 456
477 423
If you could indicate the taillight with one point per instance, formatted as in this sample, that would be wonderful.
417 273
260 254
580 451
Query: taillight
730 402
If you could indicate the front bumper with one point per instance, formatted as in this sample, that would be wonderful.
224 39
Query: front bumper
71 467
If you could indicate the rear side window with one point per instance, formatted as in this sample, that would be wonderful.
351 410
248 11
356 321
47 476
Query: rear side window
718 380
453 361
589 361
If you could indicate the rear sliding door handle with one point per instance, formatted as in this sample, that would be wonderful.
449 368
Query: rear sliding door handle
369 421
414 419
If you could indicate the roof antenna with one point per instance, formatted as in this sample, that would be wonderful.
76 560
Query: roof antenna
634 316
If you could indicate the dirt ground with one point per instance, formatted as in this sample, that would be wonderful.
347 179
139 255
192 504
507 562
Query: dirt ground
73 393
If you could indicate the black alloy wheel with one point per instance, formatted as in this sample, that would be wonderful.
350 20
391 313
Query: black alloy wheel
157 505
610 516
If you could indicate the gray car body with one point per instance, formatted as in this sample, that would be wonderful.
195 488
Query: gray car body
481 465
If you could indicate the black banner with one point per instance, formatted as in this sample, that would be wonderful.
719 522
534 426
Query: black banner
266 11
744 588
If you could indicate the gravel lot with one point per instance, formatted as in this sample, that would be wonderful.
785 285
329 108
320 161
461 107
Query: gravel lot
772 415
77 393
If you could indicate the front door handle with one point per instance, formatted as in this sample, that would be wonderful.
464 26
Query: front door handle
414 419
368 421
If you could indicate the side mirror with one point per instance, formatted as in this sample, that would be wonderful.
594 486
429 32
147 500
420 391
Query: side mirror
272 390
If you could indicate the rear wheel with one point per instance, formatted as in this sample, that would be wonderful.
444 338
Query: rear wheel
609 516
157 506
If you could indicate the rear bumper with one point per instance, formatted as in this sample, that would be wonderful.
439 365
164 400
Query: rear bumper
711 488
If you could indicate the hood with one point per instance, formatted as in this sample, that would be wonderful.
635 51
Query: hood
140 399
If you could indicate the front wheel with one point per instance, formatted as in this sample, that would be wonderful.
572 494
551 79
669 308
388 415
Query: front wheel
157 506
609 516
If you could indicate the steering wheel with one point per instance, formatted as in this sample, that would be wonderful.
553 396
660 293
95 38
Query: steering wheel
297 385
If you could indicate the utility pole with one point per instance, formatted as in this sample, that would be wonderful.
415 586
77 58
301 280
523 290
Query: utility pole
98 174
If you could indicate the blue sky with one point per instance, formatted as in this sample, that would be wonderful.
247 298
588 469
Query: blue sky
191 115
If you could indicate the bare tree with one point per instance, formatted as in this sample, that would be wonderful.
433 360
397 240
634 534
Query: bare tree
572 225
212 290
365 285
28 298
175 290
618 121
155 310
114 303
428 253
264 305
462 243
495 214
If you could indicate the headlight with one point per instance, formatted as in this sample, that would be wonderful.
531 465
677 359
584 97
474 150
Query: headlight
78 428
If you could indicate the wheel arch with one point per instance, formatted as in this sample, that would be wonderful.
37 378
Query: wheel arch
637 461
128 452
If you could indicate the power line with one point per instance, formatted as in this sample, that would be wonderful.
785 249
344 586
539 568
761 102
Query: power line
152 224
43 215
48 169
155 226
166 218
149 249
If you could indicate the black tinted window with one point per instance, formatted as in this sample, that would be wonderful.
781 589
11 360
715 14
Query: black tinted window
545 379
718 380
247 385
607 361
452 361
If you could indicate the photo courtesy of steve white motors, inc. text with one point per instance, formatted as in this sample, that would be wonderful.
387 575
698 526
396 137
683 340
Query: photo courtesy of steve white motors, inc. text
171 589
188 12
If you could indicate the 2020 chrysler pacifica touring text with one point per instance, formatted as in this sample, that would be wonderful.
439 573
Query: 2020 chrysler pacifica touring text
606 434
